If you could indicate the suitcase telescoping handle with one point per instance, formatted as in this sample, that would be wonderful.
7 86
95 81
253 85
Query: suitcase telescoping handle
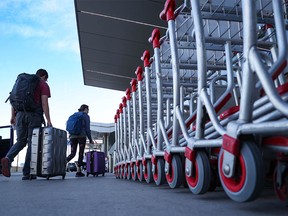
39 153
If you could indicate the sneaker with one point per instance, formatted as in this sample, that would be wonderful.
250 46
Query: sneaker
80 174
5 167
29 177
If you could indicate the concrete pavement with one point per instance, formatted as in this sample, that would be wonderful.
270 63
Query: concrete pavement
110 196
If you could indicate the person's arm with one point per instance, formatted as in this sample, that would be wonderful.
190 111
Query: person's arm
45 107
13 116
87 128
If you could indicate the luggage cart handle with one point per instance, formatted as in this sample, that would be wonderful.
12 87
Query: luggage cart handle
139 73
146 58
124 101
128 94
115 118
133 84
155 38
120 108
168 11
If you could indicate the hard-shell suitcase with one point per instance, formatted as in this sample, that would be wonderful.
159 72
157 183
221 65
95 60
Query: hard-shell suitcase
95 163
48 152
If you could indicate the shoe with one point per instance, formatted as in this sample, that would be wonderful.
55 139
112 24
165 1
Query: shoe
79 174
29 177
5 167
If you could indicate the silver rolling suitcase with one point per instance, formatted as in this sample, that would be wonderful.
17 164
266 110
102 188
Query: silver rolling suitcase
48 152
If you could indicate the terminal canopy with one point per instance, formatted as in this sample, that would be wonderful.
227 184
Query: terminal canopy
113 35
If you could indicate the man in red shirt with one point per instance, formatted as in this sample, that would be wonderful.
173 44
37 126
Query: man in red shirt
25 122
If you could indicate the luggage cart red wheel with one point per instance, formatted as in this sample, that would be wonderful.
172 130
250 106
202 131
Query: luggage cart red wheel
159 173
147 171
140 175
123 171
134 171
248 180
128 171
174 176
199 178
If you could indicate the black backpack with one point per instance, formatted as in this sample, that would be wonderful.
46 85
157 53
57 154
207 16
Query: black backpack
22 95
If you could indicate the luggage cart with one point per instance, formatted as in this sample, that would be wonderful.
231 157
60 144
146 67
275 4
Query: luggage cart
210 57
128 146
125 167
174 153
142 112
243 194
146 160
157 158
236 151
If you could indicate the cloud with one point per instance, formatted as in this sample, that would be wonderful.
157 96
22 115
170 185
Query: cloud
50 20
22 30
66 44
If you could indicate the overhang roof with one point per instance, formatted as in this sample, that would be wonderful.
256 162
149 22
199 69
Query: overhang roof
113 34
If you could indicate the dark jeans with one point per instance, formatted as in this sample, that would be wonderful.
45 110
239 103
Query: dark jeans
74 143
25 123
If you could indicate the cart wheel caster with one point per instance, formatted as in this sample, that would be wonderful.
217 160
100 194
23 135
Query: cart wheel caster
199 181
175 177
248 180
63 177
87 174
159 174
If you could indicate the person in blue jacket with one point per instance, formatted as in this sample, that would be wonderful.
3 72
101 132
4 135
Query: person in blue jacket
81 140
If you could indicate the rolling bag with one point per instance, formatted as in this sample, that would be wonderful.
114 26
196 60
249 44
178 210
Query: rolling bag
48 152
95 163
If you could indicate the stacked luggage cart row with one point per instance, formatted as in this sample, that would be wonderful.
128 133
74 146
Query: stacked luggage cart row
209 106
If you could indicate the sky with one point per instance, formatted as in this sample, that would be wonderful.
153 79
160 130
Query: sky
43 34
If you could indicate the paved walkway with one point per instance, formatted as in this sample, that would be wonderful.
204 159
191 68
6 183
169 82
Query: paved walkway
110 196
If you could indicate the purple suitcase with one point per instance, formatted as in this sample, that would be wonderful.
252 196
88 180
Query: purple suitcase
95 163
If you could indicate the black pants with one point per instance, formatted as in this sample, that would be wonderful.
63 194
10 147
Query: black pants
74 143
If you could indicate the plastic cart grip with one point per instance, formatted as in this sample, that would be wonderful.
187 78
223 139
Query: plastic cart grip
155 38
168 11
121 108
133 84
124 100
128 94
139 73
146 58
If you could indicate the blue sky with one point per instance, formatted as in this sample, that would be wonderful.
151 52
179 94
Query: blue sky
43 34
